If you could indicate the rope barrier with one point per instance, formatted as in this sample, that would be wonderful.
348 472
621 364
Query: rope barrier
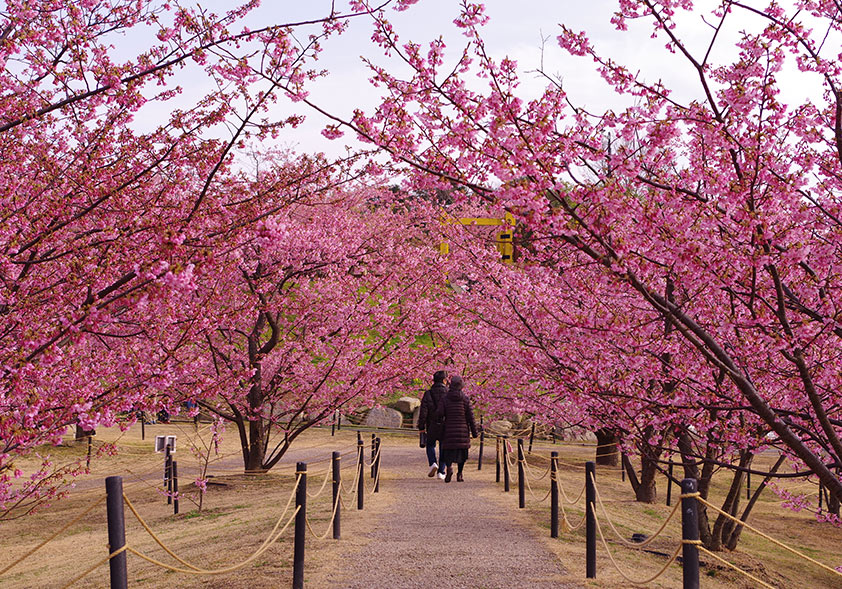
772 540
324 483
374 483
529 472
529 486
736 568
160 543
54 535
619 570
329 524
93 568
653 536
269 541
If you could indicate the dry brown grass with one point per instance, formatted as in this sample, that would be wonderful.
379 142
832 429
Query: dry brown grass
240 512
758 556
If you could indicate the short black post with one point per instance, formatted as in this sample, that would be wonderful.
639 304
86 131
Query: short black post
337 473
373 451
506 481
88 460
821 492
377 467
481 448
333 425
360 479
300 525
175 487
590 520
748 486
168 473
116 532
553 494
142 426
521 489
531 438
669 484
339 420
623 467
359 437
497 460
690 534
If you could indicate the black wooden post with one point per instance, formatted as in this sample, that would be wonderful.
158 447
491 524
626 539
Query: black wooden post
359 437
175 487
590 520
690 534
168 473
300 524
88 460
337 473
338 420
506 481
531 438
521 489
142 426
333 425
497 459
821 491
481 448
553 494
116 532
377 467
360 479
669 484
373 450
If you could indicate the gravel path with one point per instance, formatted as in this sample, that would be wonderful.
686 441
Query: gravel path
422 532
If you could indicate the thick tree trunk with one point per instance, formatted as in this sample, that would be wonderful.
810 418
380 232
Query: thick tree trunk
607 452
647 491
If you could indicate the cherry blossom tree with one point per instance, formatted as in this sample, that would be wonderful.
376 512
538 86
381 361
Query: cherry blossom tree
120 179
718 214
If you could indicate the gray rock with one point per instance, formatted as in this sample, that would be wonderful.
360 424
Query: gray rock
383 417
500 427
407 404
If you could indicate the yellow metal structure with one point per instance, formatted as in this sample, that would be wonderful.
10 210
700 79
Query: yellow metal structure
504 238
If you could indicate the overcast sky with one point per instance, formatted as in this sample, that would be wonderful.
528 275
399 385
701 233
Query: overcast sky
515 29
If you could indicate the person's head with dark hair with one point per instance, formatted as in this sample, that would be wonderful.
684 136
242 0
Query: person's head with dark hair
439 376
456 383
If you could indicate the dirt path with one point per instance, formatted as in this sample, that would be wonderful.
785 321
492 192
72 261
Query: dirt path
422 532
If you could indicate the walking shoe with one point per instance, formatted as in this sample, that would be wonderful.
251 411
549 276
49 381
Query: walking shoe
441 476
459 478
433 470
449 475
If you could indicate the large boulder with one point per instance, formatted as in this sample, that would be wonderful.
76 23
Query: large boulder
407 404
501 427
383 417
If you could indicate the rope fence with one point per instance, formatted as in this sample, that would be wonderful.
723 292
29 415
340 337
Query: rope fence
116 500
689 503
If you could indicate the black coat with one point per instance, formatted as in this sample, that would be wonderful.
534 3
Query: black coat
459 424
431 407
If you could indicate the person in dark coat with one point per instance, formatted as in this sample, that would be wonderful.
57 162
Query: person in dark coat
459 428
430 420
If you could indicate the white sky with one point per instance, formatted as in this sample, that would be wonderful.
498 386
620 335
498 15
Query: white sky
516 30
